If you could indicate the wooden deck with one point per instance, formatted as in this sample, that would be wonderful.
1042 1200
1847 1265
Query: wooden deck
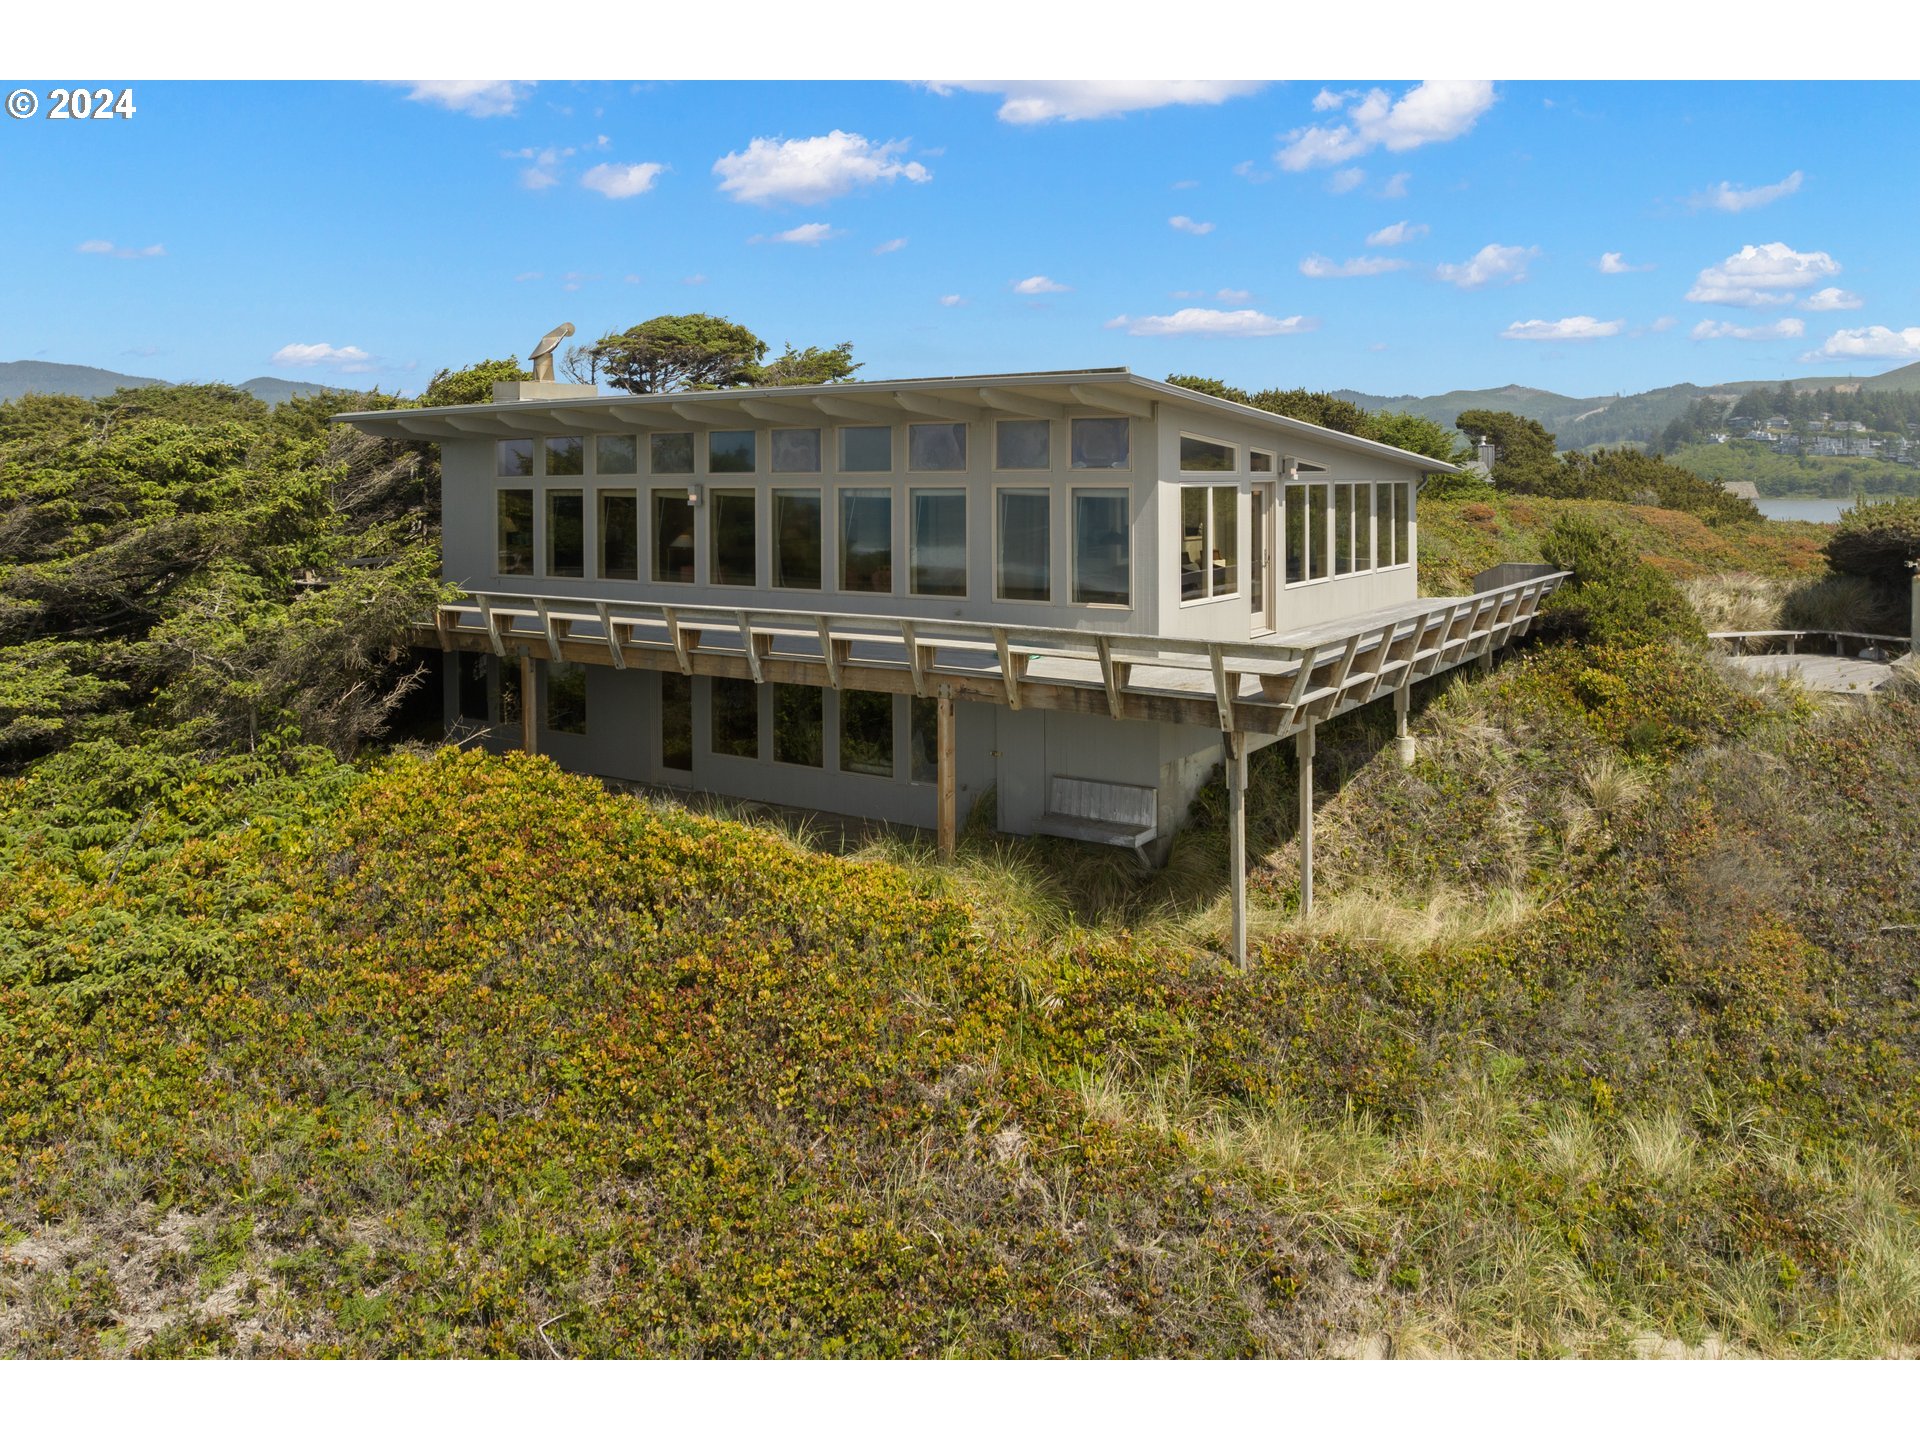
1276 685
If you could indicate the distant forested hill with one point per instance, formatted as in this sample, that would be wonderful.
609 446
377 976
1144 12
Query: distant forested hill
1579 422
40 377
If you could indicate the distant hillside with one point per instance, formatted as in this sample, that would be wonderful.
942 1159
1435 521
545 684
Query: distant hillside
39 377
1607 419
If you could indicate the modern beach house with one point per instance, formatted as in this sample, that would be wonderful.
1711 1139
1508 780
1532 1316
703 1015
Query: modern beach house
1071 591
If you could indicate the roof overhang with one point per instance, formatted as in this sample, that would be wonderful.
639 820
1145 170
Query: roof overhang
1052 394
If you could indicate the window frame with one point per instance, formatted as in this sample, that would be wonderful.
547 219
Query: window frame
753 448
998 551
1074 492
653 493
840 548
693 453
965 431
1074 467
551 494
500 450
547 442
1046 469
819 493
1211 518
840 433
819 448
1232 467
600 469
966 535
602 494
499 530
712 497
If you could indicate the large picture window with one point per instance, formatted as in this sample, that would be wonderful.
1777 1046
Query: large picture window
1023 445
866 540
1101 443
937 447
796 539
1023 568
1316 532
1295 514
736 718
566 535
735 551
672 536
1402 519
1343 529
1102 548
1209 541
515 532
866 733
619 535
937 540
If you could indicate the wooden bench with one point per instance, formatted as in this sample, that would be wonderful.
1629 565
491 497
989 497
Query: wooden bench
1100 811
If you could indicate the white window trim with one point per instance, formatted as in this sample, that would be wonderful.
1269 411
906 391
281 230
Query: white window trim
1192 481
1073 546
540 456
1125 469
828 551
652 554
1238 452
1047 469
840 450
639 528
729 478
994 528
894 545
1326 540
966 444
532 452
760 552
966 535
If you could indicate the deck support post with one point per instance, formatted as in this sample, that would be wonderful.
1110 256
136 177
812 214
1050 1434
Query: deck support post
1403 742
1235 743
947 821
529 729
1913 618
1303 749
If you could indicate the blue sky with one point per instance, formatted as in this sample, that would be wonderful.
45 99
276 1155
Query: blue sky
1385 236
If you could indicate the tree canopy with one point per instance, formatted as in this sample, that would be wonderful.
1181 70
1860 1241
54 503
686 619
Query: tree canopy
473 385
673 352
1316 407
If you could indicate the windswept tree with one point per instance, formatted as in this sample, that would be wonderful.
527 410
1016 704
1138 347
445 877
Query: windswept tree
811 366
672 352
1524 457
473 385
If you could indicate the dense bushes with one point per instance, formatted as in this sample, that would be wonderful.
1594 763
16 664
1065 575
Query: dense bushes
1612 596
1877 541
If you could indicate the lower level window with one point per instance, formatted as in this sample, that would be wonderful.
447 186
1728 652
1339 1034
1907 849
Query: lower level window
475 671
923 740
1102 549
676 721
799 725
866 733
736 718
566 697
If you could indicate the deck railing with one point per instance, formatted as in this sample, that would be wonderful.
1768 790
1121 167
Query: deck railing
1273 685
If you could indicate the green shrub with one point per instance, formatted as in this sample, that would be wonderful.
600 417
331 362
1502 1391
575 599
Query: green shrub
1613 595
1878 540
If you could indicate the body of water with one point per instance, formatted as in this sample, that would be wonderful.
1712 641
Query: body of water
1826 512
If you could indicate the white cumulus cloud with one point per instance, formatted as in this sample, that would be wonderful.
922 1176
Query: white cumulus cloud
1832 298
622 182
1725 330
813 171
340 357
1039 285
1614 262
1735 198
480 98
1191 226
1574 327
1872 342
1342 181
1396 186
1197 321
1432 111
1319 267
1398 233
1492 262
1762 275
1034 102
